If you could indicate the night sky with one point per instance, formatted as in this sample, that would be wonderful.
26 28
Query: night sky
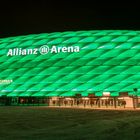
46 17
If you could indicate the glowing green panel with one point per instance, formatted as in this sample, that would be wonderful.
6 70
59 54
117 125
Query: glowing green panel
68 94
120 39
56 41
84 94
3 93
72 40
25 94
26 43
114 94
40 42
38 94
108 60
88 39
13 94
98 94
52 94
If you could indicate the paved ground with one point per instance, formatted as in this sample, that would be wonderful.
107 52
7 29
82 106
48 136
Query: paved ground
96 108
54 123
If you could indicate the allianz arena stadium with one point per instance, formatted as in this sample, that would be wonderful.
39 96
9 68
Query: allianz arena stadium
99 68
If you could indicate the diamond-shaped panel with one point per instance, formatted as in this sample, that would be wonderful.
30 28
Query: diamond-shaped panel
107 61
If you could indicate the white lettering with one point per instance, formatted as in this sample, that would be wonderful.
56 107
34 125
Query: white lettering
10 52
53 50
59 49
24 52
64 49
35 51
70 49
30 51
77 49
20 52
6 81
43 50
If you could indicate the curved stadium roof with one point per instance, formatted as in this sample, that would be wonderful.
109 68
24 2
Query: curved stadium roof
108 60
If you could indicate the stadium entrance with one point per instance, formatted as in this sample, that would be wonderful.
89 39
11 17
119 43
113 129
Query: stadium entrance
75 101
95 102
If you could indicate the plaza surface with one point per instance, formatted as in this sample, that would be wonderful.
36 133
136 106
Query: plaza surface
57 123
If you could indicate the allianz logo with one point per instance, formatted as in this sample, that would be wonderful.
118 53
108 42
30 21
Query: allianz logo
45 49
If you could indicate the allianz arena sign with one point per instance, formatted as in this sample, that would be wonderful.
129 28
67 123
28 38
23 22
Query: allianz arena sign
45 49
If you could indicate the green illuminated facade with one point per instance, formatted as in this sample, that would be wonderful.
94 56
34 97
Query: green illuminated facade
86 62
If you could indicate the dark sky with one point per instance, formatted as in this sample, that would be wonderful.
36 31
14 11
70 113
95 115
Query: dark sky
45 17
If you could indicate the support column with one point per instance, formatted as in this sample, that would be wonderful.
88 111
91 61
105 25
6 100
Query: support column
99 105
135 102
115 102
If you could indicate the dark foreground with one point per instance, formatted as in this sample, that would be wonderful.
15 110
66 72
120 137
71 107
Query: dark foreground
42 123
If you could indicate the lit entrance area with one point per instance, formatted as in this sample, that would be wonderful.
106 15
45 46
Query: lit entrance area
94 102
123 100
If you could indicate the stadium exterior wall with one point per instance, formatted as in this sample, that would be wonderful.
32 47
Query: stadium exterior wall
76 66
